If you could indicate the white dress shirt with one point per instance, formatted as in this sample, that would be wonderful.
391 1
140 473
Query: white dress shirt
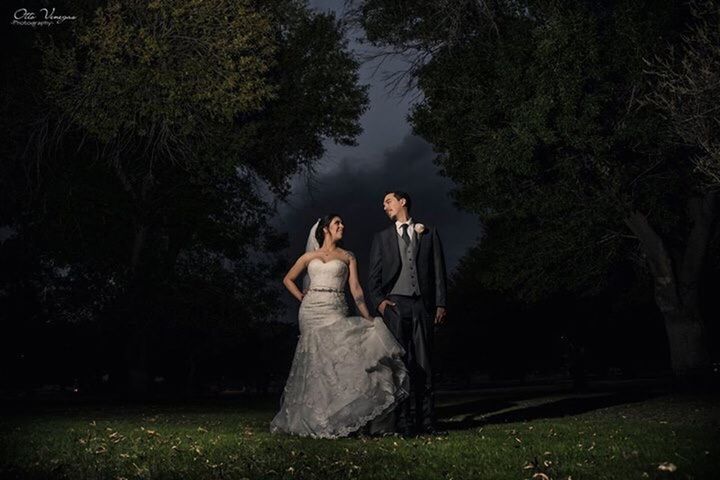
410 230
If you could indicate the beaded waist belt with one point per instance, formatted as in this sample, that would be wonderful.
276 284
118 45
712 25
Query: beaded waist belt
333 290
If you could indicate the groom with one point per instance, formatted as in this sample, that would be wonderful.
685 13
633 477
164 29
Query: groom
407 287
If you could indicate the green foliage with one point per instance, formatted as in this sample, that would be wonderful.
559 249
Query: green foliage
256 84
171 66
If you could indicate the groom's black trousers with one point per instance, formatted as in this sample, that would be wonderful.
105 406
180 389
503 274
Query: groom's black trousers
412 326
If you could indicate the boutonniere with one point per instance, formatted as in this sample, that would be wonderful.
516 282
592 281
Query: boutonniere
419 228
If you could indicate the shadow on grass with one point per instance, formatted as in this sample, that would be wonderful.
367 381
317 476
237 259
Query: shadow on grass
484 409
489 404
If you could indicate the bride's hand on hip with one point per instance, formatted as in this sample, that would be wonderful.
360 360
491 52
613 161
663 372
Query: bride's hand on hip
383 305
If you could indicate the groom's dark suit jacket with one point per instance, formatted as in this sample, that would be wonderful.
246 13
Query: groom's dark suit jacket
385 265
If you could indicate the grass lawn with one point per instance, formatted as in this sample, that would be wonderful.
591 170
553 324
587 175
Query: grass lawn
593 436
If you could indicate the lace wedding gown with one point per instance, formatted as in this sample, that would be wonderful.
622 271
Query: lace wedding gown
346 371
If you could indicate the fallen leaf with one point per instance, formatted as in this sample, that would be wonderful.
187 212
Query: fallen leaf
667 467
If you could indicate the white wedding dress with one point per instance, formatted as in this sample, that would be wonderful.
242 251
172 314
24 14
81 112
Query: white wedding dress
346 371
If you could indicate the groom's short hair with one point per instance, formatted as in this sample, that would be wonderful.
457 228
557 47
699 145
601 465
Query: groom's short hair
399 195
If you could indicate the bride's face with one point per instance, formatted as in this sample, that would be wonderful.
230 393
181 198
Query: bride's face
336 228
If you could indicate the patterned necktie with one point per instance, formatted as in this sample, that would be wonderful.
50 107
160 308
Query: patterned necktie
405 236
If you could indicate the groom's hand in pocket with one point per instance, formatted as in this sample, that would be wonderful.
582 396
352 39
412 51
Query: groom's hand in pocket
440 314
383 305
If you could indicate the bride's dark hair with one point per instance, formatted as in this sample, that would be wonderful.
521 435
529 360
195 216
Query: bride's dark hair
324 222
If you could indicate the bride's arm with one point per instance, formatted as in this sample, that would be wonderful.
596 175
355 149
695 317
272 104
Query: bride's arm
356 289
294 273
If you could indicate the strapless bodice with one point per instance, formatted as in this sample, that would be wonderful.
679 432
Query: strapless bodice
328 275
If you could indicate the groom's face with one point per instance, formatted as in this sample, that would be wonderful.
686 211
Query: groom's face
392 206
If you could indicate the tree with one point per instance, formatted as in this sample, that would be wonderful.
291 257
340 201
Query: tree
150 164
686 86
533 110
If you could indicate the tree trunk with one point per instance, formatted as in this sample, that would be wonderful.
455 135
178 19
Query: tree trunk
133 310
676 286
135 318
138 244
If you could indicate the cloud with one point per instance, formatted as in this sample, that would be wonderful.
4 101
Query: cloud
355 189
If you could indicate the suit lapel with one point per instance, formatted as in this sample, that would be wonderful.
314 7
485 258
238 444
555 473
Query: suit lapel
392 243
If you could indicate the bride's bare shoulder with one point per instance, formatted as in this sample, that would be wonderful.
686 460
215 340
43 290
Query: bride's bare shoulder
307 257
347 255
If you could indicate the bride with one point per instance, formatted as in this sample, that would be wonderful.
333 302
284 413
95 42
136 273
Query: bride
347 370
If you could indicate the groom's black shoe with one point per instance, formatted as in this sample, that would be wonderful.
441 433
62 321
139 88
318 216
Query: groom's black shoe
405 429
382 434
432 431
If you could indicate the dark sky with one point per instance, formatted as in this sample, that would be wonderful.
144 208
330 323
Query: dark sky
352 181
355 187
